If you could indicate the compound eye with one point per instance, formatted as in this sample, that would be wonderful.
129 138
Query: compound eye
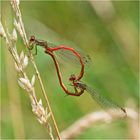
32 38
72 77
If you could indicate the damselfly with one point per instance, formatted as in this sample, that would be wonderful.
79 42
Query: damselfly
50 49
100 99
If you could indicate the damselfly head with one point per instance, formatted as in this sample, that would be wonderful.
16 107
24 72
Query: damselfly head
32 38
72 77
32 41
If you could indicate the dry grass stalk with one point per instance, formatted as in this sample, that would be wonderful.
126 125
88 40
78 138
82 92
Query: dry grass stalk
21 62
90 119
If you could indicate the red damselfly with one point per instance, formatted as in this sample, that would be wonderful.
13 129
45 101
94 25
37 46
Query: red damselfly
50 49
79 87
100 99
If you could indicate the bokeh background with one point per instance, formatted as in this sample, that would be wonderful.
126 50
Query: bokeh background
107 31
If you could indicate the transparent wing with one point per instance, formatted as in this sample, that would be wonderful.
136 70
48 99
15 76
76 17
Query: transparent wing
70 57
104 102
101 100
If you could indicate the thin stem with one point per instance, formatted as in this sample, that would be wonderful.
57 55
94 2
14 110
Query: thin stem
46 98
25 40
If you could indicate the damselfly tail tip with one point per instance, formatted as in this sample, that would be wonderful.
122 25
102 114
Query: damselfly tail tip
124 111
32 38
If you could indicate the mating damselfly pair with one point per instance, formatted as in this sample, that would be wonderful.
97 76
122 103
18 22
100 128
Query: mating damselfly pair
79 86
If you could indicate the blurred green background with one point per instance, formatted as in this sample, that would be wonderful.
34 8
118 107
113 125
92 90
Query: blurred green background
107 31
